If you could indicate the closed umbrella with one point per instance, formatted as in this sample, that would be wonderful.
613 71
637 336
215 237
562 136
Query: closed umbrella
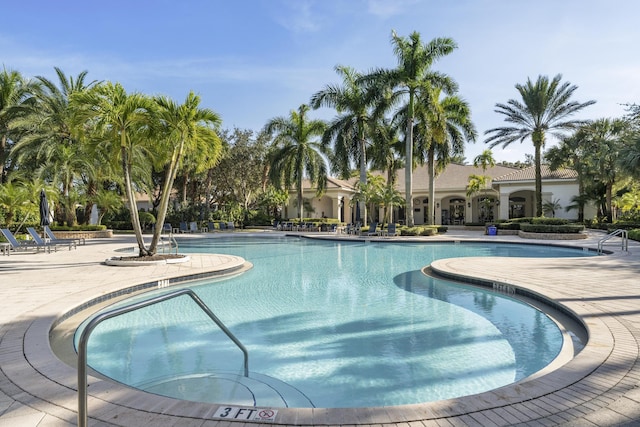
44 209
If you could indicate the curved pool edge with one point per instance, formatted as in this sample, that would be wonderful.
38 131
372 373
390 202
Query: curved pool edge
601 374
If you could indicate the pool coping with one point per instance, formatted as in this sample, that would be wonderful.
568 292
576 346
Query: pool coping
569 393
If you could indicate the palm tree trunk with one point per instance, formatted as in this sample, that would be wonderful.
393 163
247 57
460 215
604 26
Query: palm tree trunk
363 173
408 168
164 199
300 206
609 199
133 205
432 188
3 147
538 167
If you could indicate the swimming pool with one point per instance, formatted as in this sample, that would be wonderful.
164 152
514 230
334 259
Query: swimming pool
332 324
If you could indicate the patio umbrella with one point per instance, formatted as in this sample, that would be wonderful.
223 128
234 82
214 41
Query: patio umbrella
44 209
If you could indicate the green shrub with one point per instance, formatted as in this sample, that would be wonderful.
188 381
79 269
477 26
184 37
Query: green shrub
549 221
626 225
80 227
508 226
521 220
419 230
544 228
635 234
119 225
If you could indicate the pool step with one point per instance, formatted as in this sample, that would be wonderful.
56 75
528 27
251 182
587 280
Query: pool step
231 388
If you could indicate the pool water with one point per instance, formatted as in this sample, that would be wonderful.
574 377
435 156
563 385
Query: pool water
332 324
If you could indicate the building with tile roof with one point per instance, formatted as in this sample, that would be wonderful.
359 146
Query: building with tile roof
509 194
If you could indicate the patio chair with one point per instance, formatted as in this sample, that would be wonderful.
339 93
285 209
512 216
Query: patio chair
231 226
222 225
78 241
373 230
183 227
39 241
20 245
391 230
193 227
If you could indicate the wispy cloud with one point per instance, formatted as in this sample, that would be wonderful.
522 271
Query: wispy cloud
388 8
301 17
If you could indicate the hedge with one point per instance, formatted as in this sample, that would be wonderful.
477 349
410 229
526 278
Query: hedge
418 231
635 234
544 228
549 221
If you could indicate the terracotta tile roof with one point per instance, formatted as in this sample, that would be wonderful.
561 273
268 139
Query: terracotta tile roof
529 174
454 177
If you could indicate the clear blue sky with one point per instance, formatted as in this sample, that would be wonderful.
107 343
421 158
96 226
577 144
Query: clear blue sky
251 60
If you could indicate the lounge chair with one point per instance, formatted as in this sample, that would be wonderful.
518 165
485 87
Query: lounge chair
18 246
193 227
211 226
39 241
391 230
373 230
230 226
222 225
183 227
78 241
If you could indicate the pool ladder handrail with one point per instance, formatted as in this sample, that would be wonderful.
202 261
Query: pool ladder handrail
173 243
84 339
624 235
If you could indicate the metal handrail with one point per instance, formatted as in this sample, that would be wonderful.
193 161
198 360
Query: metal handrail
173 243
84 339
624 234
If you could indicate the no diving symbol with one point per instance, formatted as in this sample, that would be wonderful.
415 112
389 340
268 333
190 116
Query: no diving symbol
244 413
266 413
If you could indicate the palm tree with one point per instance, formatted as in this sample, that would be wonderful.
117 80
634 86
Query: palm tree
484 160
602 140
50 140
412 77
188 131
16 96
348 131
571 153
545 107
441 127
122 122
630 155
551 206
296 153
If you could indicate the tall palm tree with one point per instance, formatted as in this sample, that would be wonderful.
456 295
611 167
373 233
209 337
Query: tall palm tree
16 96
50 138
603 140
297 153
412 77
546 106
571 152
442 125
188 131
630 155
122 122
348 131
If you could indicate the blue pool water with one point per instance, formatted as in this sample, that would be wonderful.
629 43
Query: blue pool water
332 324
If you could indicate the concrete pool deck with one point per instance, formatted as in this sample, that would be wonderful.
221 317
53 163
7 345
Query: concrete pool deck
600 387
